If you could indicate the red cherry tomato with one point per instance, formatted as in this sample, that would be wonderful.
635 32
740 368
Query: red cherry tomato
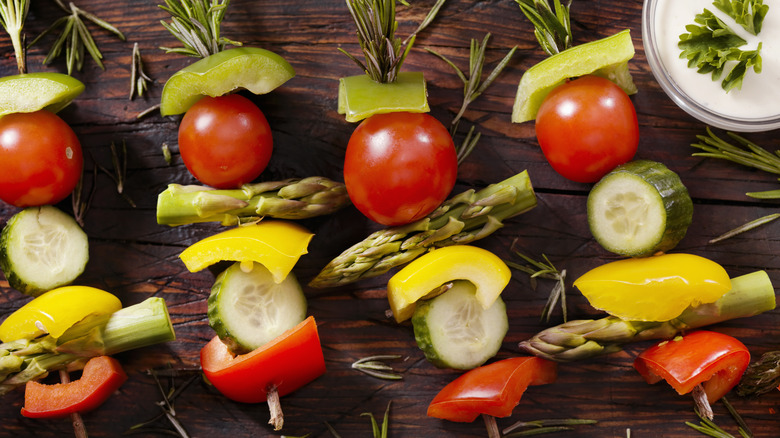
225 141
587 127
40 159
287 363
714 360
493 389
399 167
101 377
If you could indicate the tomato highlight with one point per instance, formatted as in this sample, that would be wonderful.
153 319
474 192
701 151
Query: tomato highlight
586 127
287 363
493 389
399 167
41 159
225 141
101 377
714 360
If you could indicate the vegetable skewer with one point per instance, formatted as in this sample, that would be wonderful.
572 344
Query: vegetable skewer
750 295
135 326
464 218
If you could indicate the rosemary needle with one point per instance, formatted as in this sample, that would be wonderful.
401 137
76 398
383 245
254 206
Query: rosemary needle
196 24
12 16
374 366
75 37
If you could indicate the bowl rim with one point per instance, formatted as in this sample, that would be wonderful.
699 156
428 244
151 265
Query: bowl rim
680 98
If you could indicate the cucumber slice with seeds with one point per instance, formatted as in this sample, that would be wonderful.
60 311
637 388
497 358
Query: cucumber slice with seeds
639 209
455 331
42 248
248 309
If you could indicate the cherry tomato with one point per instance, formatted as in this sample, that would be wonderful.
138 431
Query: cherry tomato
493 389
40 159
399 167
102 376
287 363
587 127
225 141
714 360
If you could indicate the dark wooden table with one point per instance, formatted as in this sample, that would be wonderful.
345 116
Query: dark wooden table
135 258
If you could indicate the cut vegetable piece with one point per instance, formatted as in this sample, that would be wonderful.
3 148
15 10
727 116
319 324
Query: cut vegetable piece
455 331
102 376
426 275
657 288
248 309
639 209
275 244
42 248
56 311
287 363
493 389
605 57
361 97
258 70
714 360
31 92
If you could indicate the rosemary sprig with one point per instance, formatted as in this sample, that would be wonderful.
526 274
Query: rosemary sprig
472 88
166 405
139 80
384 53
196 24
548 271
79 202
552 28
539 427
707 427
76 37
119 173
761 376
746 227
374 366
12 16
745 152
376 430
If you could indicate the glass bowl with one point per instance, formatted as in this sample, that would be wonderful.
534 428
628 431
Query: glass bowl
676 85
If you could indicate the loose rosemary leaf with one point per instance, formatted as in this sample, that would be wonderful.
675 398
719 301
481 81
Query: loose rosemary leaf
748 13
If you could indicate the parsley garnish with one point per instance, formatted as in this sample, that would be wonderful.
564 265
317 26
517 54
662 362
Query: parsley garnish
749 13
711 43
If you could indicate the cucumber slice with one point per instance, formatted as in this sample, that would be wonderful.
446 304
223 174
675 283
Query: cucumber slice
639 209
42 248
454 331
248 309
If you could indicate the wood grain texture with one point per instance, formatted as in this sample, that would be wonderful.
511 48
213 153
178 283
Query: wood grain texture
135 258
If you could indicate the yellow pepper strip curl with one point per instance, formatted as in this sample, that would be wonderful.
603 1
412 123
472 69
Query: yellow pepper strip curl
657 288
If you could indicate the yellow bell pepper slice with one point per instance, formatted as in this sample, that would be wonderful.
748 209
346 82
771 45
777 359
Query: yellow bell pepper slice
56 311
277 245
657 288
423 277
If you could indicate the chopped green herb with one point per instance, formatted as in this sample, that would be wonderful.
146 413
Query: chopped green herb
748 13
709 45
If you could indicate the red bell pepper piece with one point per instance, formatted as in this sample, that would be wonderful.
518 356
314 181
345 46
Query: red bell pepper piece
101 376
714 360
493 389
287 363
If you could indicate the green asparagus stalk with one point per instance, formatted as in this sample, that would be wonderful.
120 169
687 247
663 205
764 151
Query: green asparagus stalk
750 294
462 219
135 326
287 199
761 376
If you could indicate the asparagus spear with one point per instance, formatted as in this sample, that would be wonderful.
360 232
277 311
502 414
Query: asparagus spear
287 199
750 295
135 326
462 219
